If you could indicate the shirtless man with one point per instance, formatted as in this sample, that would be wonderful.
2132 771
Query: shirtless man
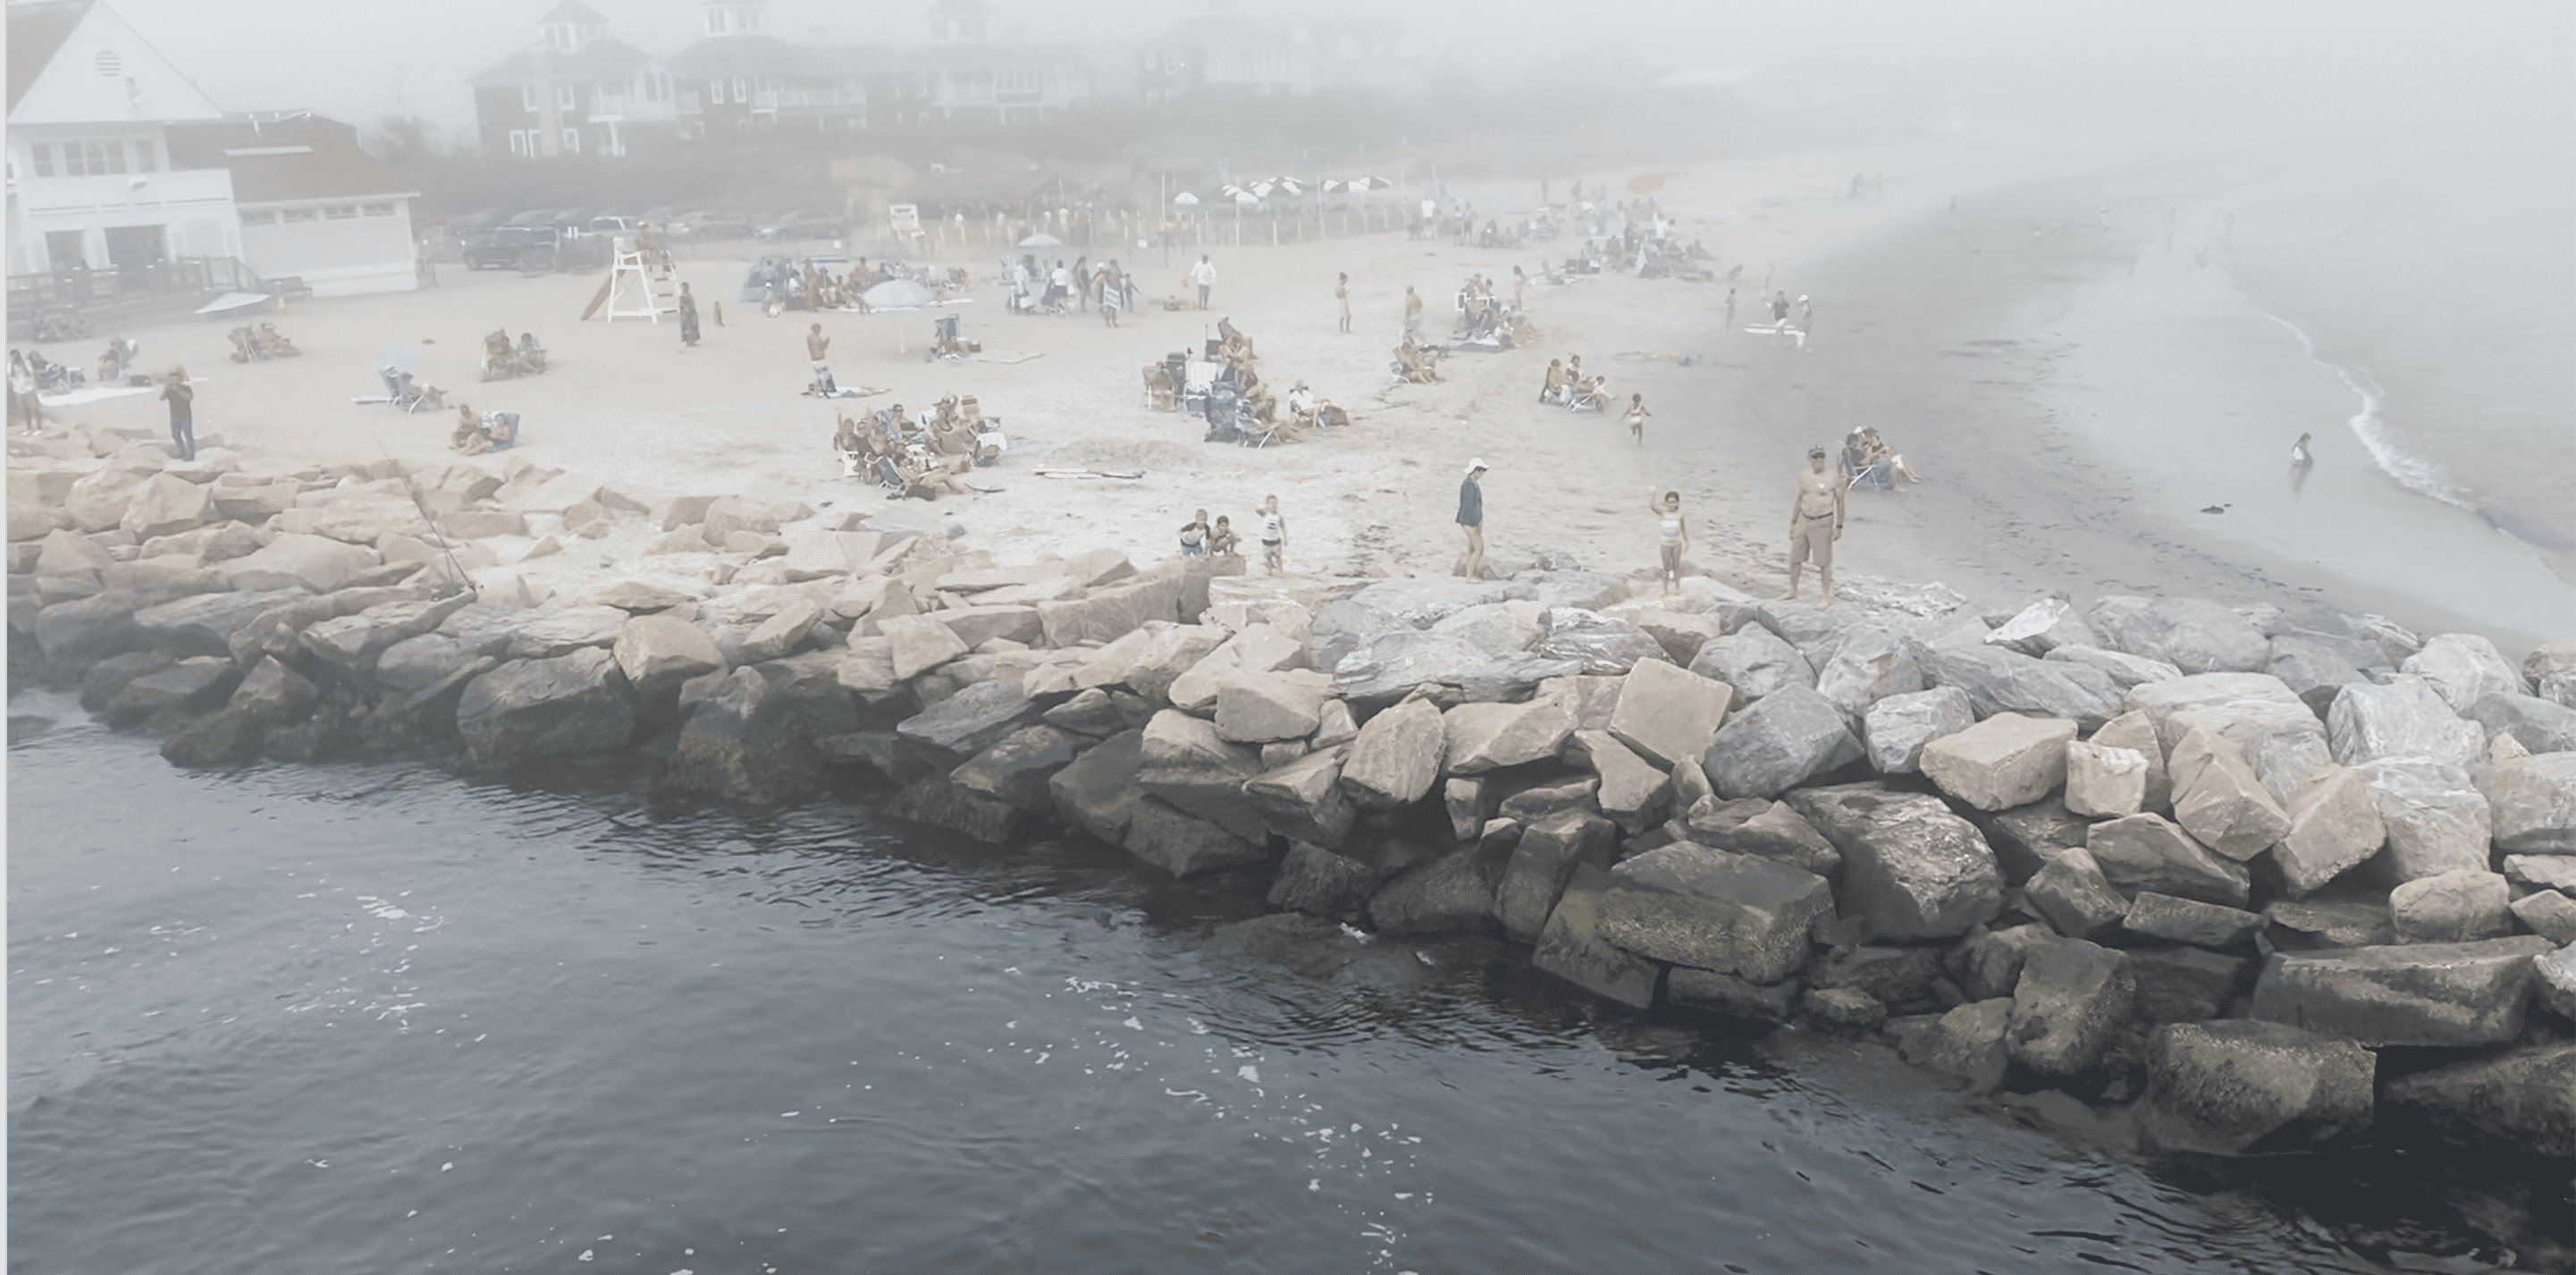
1412 310
1342 294
1547 391
1815 523
817 346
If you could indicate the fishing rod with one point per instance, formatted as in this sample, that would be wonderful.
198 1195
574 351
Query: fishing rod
421 504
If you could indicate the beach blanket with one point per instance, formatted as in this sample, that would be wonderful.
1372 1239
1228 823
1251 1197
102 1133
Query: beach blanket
857 391
98 393
1007 356
1128 474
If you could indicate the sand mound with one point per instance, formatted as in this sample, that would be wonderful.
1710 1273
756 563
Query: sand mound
1128 453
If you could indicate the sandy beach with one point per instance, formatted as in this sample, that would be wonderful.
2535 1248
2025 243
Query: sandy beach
1948 330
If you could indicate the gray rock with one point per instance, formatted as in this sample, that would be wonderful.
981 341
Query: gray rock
316 564
2531 803
782 632
87 630
2444 994
1469 803
1734 914
1261 708
1166 838
2150 852
1600 644
968 722
2454 907
2192 634
1911 868
1667 714
1899 726
1199 772
1532 804
1899 978
2550 672
1107 614
655 651
1391 665
940 803
2539 725
2436 820
1483 737
749 735
2316 668
563 705
1022 767
2549 914
1870 664
192 685
539 635
1967 1043
205 624
1397 755
1172 651
1782 741
1571 945
2334 828
272 694
2004 761
1453 892
1844 1007
2001 681
1497 628
1594 701
1318 882
2162 916
2186 984
1334 726
2554 978
2524 1100
2219 799
1632 792
1420 602
2463 668
2238 1087
2125 670
1543 860
2073 997
2025 838
2541 871
1730 994
1097 793
1772 832
1987 963
1755 661
2405 718
1813 632
2315 924
1340 628
1304 800
2075 897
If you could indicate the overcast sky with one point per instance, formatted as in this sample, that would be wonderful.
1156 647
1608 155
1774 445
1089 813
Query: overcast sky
365 59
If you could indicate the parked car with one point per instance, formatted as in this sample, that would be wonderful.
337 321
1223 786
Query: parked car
709 226
806 223
611 225
507 247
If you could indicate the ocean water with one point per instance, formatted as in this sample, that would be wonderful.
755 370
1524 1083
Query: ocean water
383 1019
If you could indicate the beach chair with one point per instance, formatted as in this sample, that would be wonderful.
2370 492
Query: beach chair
889 478
1855 474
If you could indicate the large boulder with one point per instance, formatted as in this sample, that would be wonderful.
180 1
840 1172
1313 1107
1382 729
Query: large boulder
1571 945
2072 999
2453 907
2192 634
2004 761
2550 672
2077 900
1786 739
1397 755
1541 862
2436 820
2186 984
1453 892
1318 882
2317 667
749 735
1898 727
1755 661
1256 648
2463 668
1735 914
1260 708
2405 718
2219 799
2531 803
1110 613
1304 800
315 564
2539 725
1632 791
784 630
2220 929
1389 666
1967 1044
2104 782
2524 1101
2316 924
2150 852
2135 730
1483 737
1911 868
560 706
1771 830
1600 644
1201 773
1498 628
2334 828
918 643
655 651
1870 664
2241 1087
538 635
2554 979
2444 994
2001 681
940 803
1669 714
968 722
2027 837
164 505
1682 633
2124 669
1020 770
1594 701
1173 650
205 624
192 685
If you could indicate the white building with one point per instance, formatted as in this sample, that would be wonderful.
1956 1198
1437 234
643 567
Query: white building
313 205
92 185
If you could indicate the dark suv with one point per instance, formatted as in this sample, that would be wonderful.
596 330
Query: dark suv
527 247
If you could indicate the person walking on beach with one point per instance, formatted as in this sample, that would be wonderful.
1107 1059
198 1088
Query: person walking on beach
1274 537
1815 523
1203 277
817 347
1806 319
1412 310
182 399
1672 534
1342 294
1637 415
1471 520
1779 312
1520 281
688 317
2299 453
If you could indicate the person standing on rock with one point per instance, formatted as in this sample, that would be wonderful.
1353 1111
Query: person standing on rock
1274 537
1672 537
1471 520
182 398
1815 523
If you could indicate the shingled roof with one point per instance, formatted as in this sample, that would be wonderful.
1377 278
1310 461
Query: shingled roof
306 157
598 60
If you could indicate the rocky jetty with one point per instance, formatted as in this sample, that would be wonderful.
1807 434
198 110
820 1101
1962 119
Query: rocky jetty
2212 861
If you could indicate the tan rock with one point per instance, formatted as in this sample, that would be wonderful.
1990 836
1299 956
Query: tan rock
783 630
2334 827
1261 708
1483 737
1669 714
656 650
163 505
2136 730
2454 907
2004 761
2105 783
919 643
1397 755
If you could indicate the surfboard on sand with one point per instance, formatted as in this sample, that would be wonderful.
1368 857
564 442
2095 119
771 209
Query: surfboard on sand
1765 329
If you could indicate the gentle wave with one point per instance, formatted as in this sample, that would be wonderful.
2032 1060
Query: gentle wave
2419 474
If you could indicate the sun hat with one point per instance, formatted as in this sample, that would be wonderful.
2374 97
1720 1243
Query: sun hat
1476 464
1815 451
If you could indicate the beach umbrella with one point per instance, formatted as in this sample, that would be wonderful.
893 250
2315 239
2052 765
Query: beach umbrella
1646 183
898 294
1041 240
1242 196
1371 183
1185 198
1288 184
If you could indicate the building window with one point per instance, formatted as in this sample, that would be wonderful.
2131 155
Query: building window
42 153
739 90
527 97
147 157
563 97
572 141
1016 80
299 214
259 219
377 210
340 212
715 92
93 159
518 141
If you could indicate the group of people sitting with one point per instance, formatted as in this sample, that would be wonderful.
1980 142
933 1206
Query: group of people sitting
1062 289
924 458
477 433
1569 386
1864 451
503 360
255 344
116 361
1415 363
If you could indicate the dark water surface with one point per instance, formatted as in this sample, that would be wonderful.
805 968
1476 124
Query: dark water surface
382 1019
